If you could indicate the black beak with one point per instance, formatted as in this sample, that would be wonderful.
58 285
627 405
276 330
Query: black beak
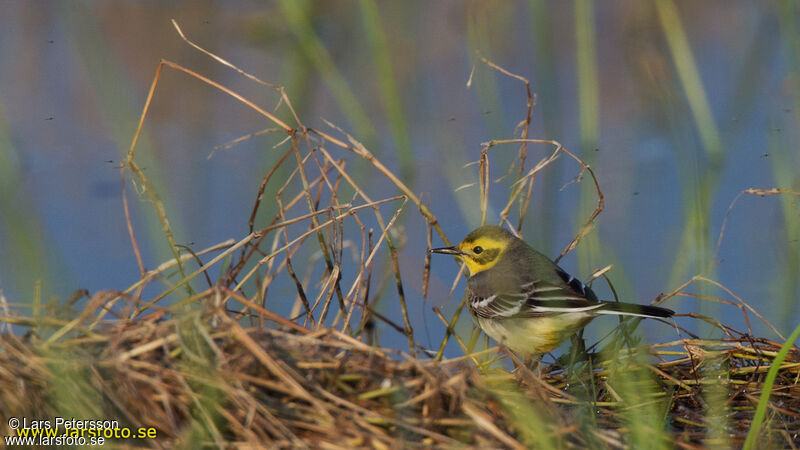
448 251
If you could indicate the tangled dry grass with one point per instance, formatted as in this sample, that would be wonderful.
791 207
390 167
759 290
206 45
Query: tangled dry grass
205 379
224 356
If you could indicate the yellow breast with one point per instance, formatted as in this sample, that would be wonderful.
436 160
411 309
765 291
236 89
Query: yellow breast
534 335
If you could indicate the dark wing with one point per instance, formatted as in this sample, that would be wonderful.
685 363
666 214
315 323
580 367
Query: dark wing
536 298
499 306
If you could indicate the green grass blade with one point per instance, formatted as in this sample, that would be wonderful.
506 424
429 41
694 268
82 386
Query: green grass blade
390 94
763 401
314 49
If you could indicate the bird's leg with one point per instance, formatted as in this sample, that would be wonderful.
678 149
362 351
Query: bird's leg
528 363
514 358
524 371
534 364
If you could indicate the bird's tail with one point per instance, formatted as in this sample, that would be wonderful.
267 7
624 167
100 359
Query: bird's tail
628 309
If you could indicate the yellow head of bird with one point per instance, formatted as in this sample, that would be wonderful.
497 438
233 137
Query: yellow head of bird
481 249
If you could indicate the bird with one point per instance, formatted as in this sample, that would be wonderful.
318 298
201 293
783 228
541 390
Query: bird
525 301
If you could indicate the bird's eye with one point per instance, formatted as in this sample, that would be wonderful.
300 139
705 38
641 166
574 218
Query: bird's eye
477 249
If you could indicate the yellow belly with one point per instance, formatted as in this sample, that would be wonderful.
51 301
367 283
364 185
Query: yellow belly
532 336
